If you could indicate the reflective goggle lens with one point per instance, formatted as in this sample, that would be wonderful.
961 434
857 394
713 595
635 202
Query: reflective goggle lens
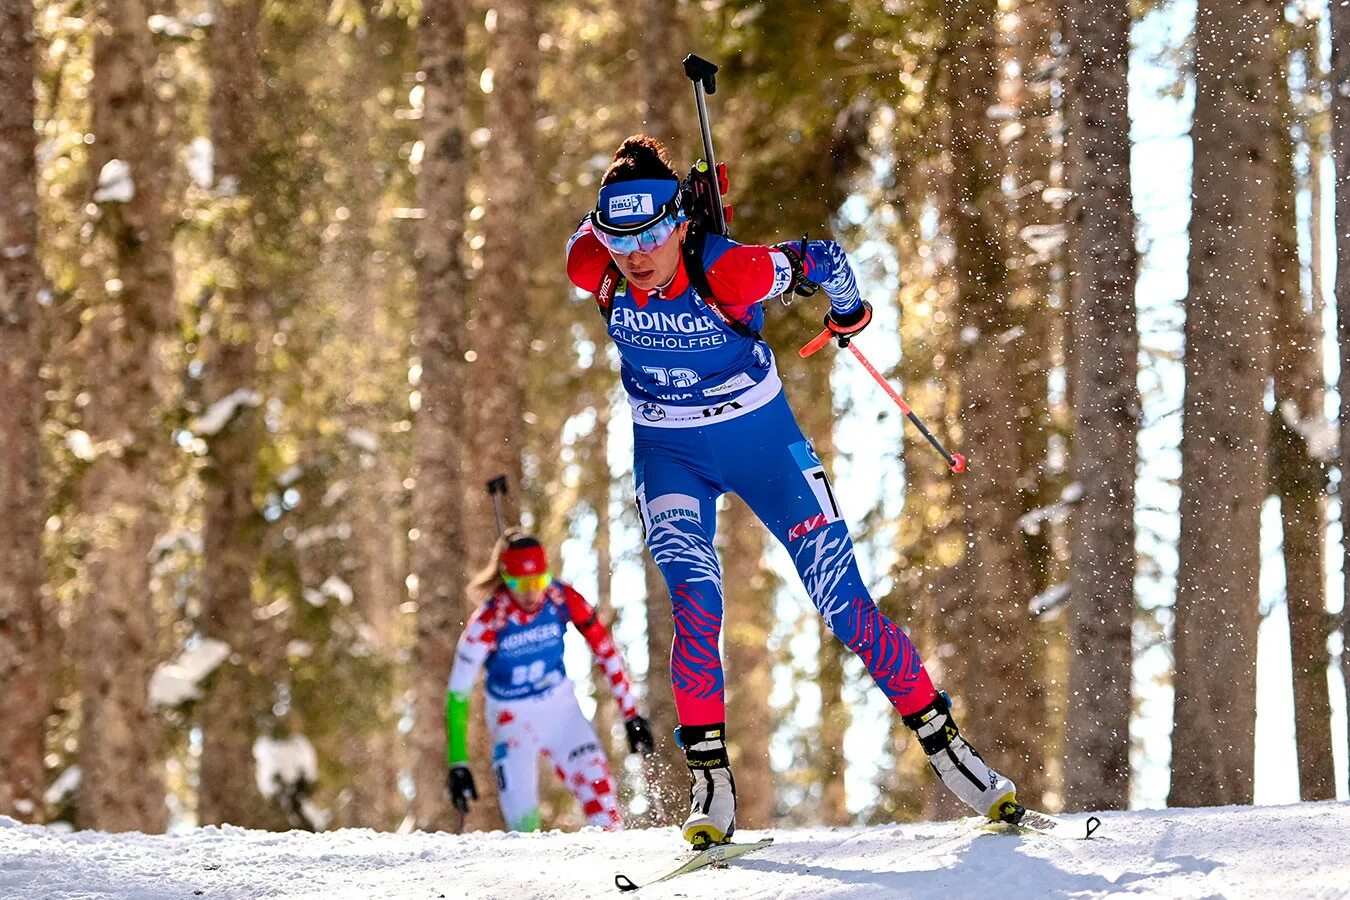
527 583
646 241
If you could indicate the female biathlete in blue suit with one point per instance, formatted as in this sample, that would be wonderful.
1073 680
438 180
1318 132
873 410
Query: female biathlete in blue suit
710 417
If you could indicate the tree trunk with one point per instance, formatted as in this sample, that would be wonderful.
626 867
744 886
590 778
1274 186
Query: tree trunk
438 559
1340 144
1298 477
1104 368
1038 346
929 533
498 323
663 86
749 621
377 551
995 678
1223 444
24 692
237 696
122 788
498 327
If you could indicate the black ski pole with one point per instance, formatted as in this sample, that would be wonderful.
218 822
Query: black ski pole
704 76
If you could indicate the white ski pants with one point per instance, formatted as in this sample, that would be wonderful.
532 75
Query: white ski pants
551 724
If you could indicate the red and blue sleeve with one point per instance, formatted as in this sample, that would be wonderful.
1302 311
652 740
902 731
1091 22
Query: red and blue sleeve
587 621
587 259
747 274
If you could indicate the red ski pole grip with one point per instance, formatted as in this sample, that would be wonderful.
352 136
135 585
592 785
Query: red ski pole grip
816 343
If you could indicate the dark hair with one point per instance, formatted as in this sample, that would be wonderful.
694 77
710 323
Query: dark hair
488 580
638 157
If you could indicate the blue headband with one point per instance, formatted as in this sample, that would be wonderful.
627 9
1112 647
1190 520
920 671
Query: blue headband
636 204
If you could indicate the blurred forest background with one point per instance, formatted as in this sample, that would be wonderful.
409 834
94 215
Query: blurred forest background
281 287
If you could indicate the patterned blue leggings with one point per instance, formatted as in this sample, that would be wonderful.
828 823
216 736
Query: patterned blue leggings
763 457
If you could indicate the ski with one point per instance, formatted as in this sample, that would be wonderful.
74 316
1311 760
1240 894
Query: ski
718 853
1035 822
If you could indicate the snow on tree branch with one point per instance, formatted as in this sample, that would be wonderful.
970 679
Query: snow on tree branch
115 184
219 414
1056 512
177 682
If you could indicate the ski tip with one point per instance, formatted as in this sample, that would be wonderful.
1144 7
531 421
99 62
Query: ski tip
1093 823
624 883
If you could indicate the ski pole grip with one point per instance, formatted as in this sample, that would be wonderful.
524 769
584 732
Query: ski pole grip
698 69
816 343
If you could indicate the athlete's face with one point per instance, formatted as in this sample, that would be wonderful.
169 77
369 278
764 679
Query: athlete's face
529 600
650 270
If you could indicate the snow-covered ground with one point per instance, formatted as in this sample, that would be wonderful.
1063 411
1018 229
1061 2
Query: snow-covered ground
1291 851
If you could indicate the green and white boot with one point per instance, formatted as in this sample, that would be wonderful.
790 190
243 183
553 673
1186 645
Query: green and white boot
961 768
712 795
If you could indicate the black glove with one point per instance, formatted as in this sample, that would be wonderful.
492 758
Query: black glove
845 328
639 735
460 786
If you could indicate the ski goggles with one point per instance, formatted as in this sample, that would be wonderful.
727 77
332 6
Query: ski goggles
637 215
526 584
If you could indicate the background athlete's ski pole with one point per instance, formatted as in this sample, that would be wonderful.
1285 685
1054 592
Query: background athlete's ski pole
955 461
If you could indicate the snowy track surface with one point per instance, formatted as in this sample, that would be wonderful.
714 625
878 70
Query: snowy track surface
1292 851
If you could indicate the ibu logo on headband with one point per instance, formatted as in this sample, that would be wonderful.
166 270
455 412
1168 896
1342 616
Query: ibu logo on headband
631 205
627 203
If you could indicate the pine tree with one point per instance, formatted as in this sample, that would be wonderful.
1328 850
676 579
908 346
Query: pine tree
1223 445
1298 477
1340 142
232 536
24 691
1104 362
438 556
994 676
498 335
1034 138
120 748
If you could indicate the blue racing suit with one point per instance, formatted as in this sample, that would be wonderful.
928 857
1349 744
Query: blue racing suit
710 417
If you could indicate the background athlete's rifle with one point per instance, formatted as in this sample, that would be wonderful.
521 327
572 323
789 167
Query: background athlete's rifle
496 489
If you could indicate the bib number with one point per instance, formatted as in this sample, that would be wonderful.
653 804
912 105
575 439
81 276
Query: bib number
676 378
814 473
522 675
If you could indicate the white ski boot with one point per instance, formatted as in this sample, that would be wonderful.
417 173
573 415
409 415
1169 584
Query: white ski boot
960 767
712 795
